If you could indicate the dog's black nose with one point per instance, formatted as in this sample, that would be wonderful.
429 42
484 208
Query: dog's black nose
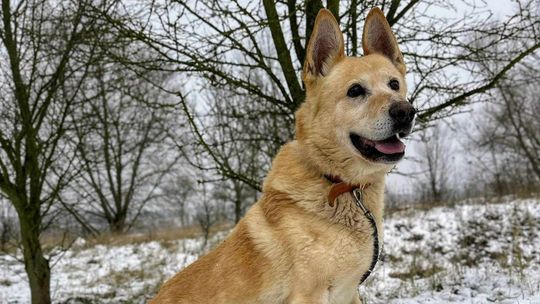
402 112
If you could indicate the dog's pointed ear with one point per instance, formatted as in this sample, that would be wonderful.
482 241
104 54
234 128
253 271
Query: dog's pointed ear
325 46
378 38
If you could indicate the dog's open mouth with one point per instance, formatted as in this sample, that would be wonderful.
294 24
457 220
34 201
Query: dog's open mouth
388 150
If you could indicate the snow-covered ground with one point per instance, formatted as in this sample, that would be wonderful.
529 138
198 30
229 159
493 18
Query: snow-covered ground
472 253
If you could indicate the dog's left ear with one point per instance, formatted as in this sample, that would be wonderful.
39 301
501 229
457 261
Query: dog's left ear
325 46
378 38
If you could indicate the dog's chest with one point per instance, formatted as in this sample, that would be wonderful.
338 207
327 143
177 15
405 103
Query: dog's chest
343 243
355 239
348 260
337 259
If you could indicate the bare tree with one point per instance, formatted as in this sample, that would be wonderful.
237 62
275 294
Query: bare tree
246 137
121 135
238 193
435 155
40 43
177 190
232 45
521 128
509 131
207 215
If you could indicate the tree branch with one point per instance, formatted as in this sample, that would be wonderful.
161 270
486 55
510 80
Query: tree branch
282 51
426 114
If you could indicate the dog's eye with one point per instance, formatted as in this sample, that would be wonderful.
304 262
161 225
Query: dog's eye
394 84
356 90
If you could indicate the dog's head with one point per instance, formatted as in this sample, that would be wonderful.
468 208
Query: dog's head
356 109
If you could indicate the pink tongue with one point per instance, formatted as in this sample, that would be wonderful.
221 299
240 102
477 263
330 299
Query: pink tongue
390 148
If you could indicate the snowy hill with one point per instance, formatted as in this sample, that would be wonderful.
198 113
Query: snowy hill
472 253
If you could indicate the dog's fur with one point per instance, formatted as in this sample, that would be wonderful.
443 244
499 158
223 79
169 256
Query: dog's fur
292 247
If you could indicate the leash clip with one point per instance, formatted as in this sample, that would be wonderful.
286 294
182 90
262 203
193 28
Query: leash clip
358 199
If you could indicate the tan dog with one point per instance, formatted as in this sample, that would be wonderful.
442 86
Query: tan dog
293 246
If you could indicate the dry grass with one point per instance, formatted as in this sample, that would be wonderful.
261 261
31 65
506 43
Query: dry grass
481 200
119 239
162 235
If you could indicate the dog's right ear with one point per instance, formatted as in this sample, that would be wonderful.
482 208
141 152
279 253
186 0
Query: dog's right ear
379 38
325 46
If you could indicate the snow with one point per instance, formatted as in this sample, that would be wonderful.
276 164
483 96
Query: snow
468 254
471 253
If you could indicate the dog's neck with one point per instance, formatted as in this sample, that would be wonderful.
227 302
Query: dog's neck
304 183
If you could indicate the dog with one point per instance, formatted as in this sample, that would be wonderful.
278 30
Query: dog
315 232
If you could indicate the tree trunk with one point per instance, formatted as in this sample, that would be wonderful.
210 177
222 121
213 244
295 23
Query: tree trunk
118 223
312 9
333 6
36 265
237 211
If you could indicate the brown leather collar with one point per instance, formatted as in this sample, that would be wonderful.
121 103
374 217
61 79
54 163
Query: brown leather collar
339 187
